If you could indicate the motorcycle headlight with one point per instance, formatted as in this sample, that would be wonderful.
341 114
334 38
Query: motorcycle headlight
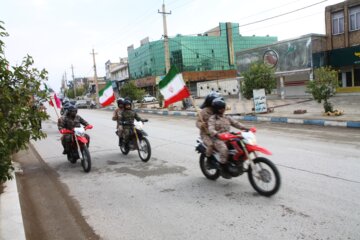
249 138
79 131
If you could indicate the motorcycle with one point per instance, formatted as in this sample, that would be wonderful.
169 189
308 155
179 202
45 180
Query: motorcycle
79 142
138 141
263 175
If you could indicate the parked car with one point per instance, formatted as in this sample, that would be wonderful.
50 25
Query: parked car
82 103
149 98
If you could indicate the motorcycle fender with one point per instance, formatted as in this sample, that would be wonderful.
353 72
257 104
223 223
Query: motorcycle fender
200 148
253 148
82 139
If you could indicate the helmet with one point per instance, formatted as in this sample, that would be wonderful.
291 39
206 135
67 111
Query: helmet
67 105
72 109
218 104
209 98
127 103
120 102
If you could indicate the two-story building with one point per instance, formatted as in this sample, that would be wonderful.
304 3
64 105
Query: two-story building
342 23
117 73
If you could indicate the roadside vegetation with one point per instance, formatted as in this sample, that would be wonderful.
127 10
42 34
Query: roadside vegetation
20 117
130 90
256 77
323 87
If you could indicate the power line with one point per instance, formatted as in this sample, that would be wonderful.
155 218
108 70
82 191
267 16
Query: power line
283 14
280 23
280 15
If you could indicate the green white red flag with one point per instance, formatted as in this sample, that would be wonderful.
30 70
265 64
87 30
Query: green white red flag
172 87
106 95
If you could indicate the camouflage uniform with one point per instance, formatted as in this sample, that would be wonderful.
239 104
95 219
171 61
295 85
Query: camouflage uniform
70 123
117 117
220 124
127 118
202 124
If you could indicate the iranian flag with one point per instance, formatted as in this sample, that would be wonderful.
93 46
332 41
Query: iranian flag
173 88
106 95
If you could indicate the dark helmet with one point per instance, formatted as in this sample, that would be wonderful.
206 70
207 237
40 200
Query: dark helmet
66 105
72 109
209 99
120 102
218 104
127 102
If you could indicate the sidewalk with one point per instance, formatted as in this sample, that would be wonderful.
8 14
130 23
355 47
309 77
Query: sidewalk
11 222
283 111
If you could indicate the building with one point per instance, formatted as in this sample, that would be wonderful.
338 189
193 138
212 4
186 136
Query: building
293 61
342 23
117 73
204 57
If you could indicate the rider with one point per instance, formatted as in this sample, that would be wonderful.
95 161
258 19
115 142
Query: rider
117 115
69 122
127 120
202 121
220 123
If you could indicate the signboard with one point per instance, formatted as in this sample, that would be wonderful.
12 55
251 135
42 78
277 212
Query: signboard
282 56
260 100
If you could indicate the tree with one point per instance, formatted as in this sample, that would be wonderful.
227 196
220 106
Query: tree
258 76
130 90
20 119
323 86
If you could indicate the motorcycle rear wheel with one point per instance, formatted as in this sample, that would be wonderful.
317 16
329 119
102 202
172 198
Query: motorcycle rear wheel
209 173
267 174
86 159
144 149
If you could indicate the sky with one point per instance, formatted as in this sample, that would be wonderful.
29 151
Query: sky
59 34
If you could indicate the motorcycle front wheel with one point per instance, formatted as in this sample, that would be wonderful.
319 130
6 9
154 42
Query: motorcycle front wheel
144 149
86 159
206 168
265 178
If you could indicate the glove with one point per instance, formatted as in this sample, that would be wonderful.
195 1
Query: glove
145 120
88 127
64 131
252 129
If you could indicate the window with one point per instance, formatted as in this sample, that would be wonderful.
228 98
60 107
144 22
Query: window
357 77
354 18
338 23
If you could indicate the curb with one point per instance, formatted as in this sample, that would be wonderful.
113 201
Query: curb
317 122
11 222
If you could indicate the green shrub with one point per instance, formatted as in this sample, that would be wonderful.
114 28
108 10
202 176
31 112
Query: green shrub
258 76
20 118
323 86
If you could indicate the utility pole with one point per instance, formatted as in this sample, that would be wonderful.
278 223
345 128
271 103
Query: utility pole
166 40
95 79
65 77
72 70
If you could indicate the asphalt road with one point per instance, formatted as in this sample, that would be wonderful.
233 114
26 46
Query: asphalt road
169 198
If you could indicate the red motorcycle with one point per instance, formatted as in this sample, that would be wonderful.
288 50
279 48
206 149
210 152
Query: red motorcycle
79 142
243 157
